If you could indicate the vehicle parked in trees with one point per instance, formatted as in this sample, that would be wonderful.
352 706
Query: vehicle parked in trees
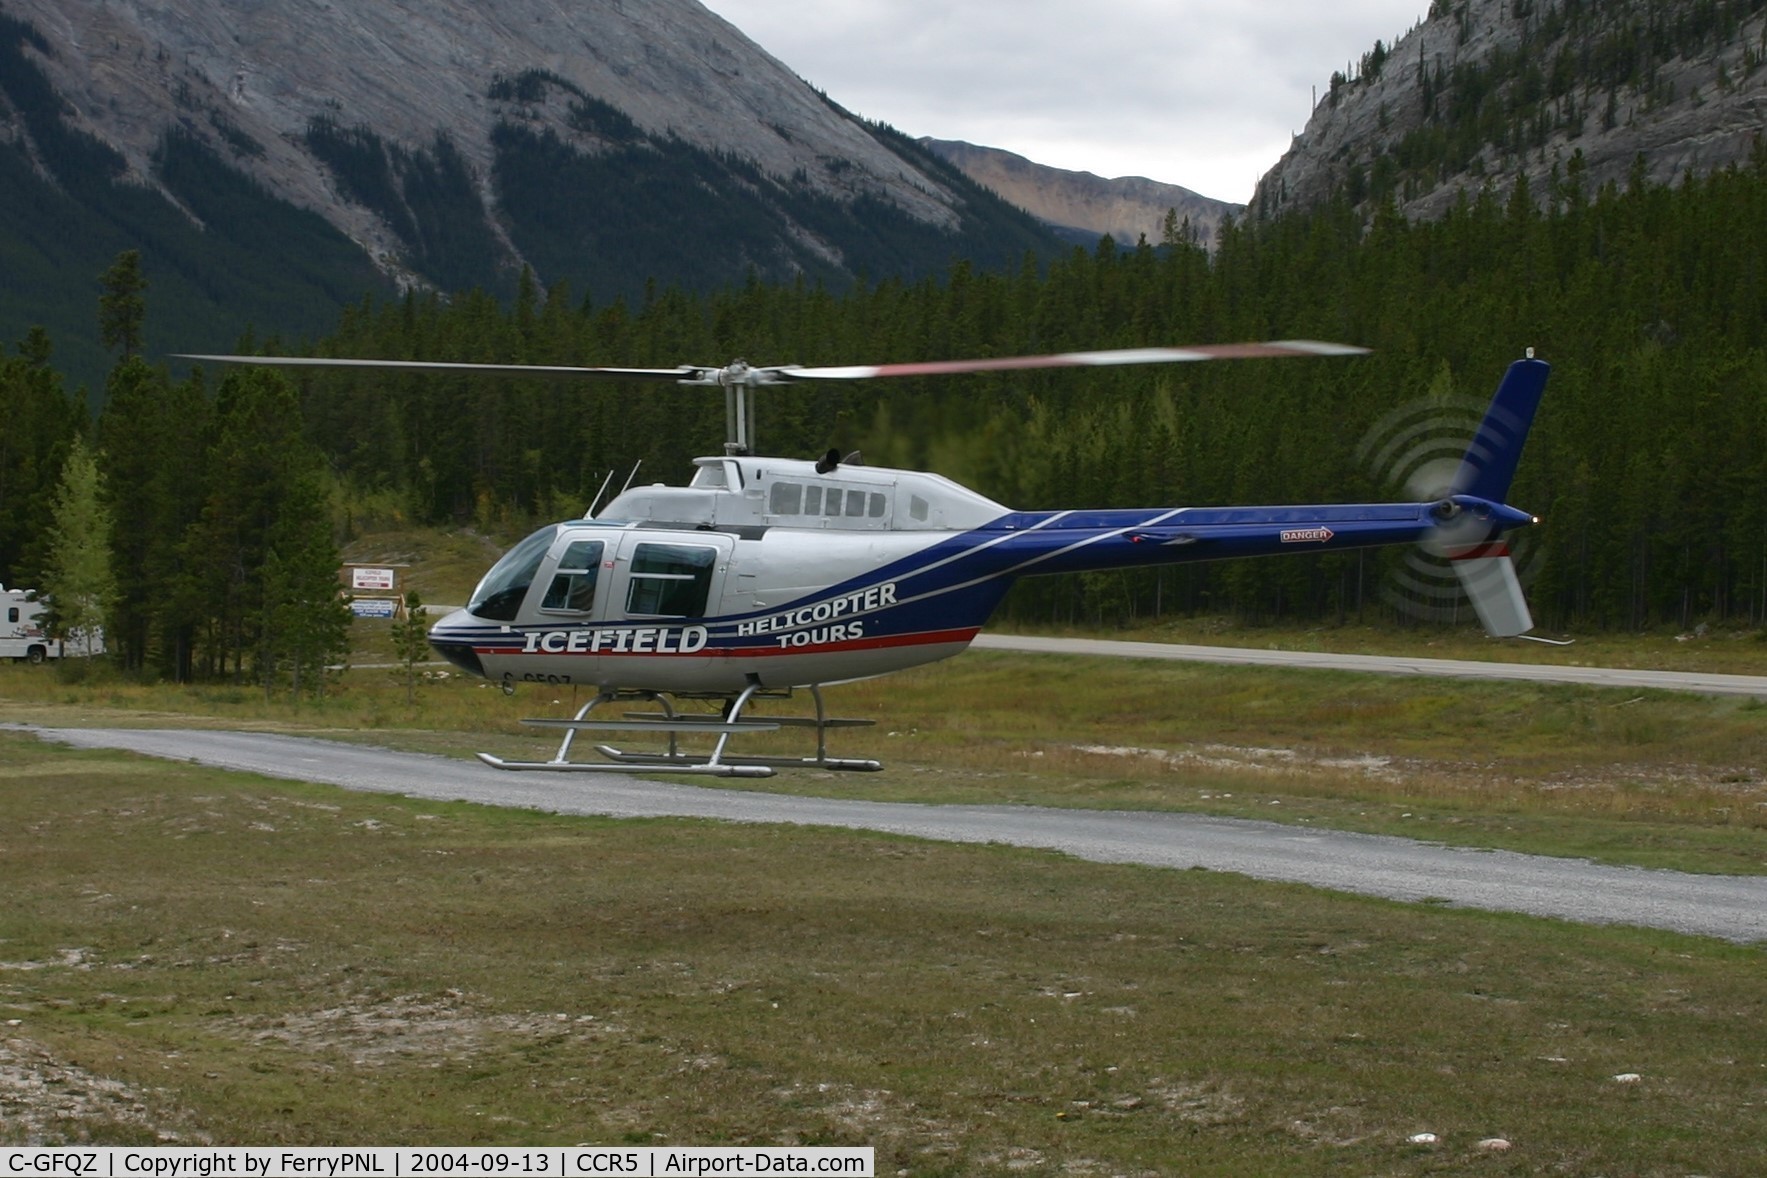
24 630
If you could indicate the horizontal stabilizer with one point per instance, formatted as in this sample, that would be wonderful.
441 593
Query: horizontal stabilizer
1488 576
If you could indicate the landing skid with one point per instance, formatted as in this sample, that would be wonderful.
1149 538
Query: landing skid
673 724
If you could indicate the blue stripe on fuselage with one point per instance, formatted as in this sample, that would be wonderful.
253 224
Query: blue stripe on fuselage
956 582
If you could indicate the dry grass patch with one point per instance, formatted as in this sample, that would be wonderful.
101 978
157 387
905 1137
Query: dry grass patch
256 961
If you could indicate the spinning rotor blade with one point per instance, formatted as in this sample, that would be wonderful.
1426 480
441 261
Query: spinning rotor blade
1250 351
678 375
740 373
739 380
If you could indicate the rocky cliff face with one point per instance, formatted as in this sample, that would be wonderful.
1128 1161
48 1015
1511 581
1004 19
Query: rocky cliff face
1487 91
276 161
1080 204
250 77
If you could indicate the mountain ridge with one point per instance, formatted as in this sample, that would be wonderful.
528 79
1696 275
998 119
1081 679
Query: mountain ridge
613 148
1485 92
1081 204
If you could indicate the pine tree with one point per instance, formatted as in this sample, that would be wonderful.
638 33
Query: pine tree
259 471
122 307
303 624
411 641
38 421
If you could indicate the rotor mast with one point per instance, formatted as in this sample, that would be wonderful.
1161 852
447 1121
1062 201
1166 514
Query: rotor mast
739 381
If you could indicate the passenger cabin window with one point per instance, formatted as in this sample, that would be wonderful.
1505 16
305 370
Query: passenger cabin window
670 580
788 499
573 582
827 502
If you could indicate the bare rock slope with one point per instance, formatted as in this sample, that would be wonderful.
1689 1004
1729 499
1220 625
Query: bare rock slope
248 77
1485 92
1127 208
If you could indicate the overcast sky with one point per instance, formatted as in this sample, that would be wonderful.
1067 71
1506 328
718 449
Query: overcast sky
1203 93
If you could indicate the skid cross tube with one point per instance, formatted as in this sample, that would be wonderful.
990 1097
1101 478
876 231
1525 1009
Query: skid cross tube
721 762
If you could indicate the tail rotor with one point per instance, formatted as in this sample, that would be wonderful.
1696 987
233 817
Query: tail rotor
1468 483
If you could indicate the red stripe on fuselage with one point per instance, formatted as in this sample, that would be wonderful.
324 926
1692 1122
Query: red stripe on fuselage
926 638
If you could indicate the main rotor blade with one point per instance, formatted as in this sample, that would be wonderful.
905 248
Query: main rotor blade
683 373
1249 351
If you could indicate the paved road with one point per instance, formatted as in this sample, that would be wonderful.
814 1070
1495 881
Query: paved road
1731 907
1694 681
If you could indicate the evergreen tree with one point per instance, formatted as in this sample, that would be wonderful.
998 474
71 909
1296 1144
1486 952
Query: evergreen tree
411 641
123 305
303 623
38 422
260 558
77 579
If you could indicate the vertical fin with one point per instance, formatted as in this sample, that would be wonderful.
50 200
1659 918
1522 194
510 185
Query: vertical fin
1490 460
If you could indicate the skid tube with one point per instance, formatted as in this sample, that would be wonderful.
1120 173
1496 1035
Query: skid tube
719 764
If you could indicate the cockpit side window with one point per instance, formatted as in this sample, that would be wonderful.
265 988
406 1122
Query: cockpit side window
670 580
499 596
573 582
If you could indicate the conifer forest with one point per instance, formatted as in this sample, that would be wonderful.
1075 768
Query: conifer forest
1647 465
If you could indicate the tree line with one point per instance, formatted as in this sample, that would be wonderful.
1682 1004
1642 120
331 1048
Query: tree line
1648 462
193 525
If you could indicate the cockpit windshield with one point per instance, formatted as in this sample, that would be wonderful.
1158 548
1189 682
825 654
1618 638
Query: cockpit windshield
500 595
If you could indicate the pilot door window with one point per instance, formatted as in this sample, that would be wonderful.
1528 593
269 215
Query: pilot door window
573 582
670 581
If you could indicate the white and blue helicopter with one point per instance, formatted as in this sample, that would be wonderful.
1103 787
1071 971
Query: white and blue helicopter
767 576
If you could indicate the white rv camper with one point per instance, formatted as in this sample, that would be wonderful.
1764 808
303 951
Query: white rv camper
24 633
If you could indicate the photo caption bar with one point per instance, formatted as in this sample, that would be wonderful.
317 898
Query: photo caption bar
577 1161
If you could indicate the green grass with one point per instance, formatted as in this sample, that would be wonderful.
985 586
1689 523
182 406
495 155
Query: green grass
1659 779
217 957
1721 649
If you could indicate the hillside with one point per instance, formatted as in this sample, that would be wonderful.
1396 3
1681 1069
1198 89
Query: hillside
1485 92
275 163
1081 206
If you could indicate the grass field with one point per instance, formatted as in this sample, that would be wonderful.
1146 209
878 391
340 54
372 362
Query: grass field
193 955
1653 778
198 956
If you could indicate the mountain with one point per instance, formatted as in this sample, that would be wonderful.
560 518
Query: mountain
1081 206
1484 92
275 161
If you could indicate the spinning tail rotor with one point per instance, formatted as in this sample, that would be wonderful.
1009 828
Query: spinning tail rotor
1471 519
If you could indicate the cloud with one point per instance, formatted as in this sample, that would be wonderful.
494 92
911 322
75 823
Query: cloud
1203 93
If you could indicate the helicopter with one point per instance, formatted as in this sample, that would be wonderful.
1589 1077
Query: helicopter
765 576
